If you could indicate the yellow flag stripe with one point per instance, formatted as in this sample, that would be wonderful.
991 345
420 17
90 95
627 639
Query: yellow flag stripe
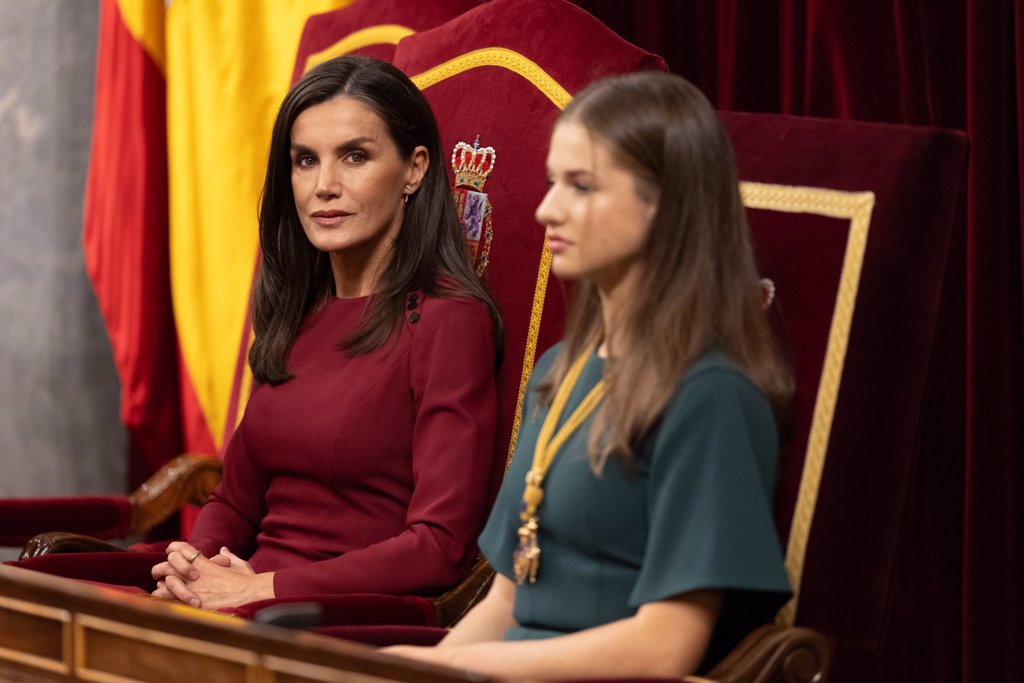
229 64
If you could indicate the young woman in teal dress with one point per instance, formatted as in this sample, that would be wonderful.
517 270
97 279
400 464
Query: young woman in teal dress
634 528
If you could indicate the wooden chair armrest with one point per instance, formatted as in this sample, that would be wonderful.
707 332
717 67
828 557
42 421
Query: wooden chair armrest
454 604
774 653
188 479
64 542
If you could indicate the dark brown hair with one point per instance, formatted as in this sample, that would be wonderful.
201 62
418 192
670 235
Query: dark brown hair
699 285
429 251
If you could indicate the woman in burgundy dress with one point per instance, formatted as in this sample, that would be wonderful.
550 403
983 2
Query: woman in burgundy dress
362 462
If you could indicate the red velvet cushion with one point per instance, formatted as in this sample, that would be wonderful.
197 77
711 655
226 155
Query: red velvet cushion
357 609
98 516
129 569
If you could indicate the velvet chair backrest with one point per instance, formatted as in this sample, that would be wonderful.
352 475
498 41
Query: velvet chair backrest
371 28
853 222
500 74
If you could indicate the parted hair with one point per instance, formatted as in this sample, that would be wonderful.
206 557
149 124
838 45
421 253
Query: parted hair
698 285
429 252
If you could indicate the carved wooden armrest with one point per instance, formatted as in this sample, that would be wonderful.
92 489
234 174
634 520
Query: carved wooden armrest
774 653
454 604
186 480
64 542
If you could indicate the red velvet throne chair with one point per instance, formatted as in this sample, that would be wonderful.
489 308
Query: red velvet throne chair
855 225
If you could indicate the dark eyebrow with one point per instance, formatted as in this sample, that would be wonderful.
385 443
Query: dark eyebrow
346 146
354 143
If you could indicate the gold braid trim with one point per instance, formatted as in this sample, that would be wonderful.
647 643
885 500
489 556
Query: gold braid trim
382 34
531 345
857 208
500 57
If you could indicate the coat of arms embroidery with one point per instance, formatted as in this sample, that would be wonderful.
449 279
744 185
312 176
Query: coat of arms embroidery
472 164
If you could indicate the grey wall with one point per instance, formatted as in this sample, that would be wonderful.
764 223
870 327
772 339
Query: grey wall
59 427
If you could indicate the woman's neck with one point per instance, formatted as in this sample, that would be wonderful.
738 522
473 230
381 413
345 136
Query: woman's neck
611 343
357 274
616 301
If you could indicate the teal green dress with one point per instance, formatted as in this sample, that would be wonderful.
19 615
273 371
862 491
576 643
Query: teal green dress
694 512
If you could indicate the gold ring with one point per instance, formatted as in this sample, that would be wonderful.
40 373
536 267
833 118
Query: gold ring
194 556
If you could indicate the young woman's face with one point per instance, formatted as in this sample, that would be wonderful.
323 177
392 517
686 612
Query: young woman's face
596 222
348 177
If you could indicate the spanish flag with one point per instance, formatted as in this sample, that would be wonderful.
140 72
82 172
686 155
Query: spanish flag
186 94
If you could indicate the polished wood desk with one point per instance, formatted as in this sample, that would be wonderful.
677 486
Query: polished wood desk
55 629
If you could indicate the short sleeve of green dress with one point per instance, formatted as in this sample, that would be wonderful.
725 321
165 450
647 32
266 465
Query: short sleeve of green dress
694 512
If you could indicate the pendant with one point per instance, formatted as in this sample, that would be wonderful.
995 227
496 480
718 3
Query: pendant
526 558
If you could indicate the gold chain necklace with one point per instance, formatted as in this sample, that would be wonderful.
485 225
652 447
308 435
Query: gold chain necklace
526 557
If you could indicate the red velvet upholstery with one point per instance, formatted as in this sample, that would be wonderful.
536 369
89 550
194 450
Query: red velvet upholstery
129 570
369 27
856 546
357 609
477 90
103 517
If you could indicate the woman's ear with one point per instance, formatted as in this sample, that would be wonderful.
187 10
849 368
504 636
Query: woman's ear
419 162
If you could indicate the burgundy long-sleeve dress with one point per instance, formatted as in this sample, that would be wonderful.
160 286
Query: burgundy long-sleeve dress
365 474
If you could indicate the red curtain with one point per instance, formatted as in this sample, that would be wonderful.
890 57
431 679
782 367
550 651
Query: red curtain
945 63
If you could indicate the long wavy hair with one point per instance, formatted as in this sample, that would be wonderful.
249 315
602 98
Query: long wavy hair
699 284
429 252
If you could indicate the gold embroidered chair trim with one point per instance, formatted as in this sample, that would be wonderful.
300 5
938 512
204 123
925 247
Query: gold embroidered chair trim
382 34
500 57
857 208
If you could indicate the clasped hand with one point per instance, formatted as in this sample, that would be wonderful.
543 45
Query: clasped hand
224 580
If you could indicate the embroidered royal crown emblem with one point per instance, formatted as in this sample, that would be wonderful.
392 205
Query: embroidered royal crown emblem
471 165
